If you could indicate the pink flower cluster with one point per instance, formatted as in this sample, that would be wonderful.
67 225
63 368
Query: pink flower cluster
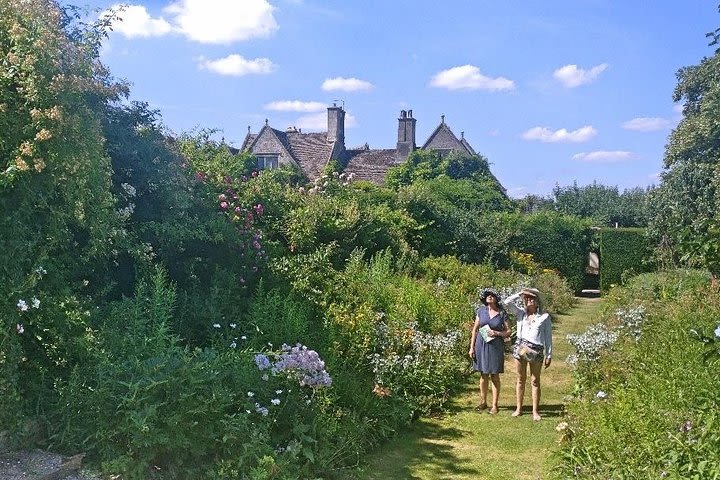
252 253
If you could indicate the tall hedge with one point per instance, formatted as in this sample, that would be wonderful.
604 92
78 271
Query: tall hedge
621 250
556 241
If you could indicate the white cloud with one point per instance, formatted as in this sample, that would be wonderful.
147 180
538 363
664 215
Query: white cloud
135 21
544 134
602 156
223 21
295 106
571 76
237 66
647 124
468 77
678 108
318 121
346 84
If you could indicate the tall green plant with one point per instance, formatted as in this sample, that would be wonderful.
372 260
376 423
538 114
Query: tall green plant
686 220
58 216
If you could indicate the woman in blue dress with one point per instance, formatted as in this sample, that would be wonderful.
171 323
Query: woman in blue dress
487 347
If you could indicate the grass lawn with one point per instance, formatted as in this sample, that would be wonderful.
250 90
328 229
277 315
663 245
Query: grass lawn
464 444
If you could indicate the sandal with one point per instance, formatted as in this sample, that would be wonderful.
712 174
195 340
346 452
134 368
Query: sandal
493 410
482 407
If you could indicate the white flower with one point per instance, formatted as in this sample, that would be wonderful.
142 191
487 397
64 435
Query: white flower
22 305
601 394
278 392
251 394
233 345
41 271
233 325
216 325
717 332
20 328
265 377
275 401
129 189
561 426
35 303
244 337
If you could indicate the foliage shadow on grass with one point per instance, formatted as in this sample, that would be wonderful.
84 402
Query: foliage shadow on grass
423 444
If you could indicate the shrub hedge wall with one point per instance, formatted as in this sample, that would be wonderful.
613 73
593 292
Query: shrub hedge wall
559 242
622 250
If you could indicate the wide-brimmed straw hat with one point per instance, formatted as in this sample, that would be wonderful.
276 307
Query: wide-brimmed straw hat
530 292
489 291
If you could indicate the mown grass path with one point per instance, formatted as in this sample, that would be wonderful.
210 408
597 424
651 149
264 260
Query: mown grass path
465 444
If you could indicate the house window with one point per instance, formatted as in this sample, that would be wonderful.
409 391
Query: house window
267 162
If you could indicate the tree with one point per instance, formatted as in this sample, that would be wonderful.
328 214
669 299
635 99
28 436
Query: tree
57 215
428 164
605 205
686 206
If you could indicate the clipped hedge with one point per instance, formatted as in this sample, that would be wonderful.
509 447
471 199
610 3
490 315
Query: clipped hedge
556 241
622 250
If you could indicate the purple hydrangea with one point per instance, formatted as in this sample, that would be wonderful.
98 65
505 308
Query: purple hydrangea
262 361
299 363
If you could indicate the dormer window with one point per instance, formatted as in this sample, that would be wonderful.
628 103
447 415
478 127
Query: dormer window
267 161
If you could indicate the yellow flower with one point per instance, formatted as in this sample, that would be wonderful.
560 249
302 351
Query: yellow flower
21 164
16 30
53 113
43 134
27 149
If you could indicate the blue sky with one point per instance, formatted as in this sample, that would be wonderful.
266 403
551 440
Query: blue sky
550 91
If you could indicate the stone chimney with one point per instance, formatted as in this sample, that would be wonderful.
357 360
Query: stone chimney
336 124
406 135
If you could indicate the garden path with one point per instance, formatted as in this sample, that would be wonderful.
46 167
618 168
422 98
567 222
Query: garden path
465 444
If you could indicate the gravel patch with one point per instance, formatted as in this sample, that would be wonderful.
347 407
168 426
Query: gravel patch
40 464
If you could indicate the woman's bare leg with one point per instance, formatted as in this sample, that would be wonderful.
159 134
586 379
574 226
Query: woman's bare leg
495 378
535 370
484 377
521 369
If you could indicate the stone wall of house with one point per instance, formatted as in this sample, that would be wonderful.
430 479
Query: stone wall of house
267 143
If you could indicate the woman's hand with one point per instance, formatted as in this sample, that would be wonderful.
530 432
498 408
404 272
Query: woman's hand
547 362
472 352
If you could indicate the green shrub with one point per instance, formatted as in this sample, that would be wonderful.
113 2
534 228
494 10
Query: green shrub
454 217
557 242
647 405
622 250
11 411
145 401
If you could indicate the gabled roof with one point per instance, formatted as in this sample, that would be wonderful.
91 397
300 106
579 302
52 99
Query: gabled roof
312 151
444 139
281 137
467 146
249 140
371 165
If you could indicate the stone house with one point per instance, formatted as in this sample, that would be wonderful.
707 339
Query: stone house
311 152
